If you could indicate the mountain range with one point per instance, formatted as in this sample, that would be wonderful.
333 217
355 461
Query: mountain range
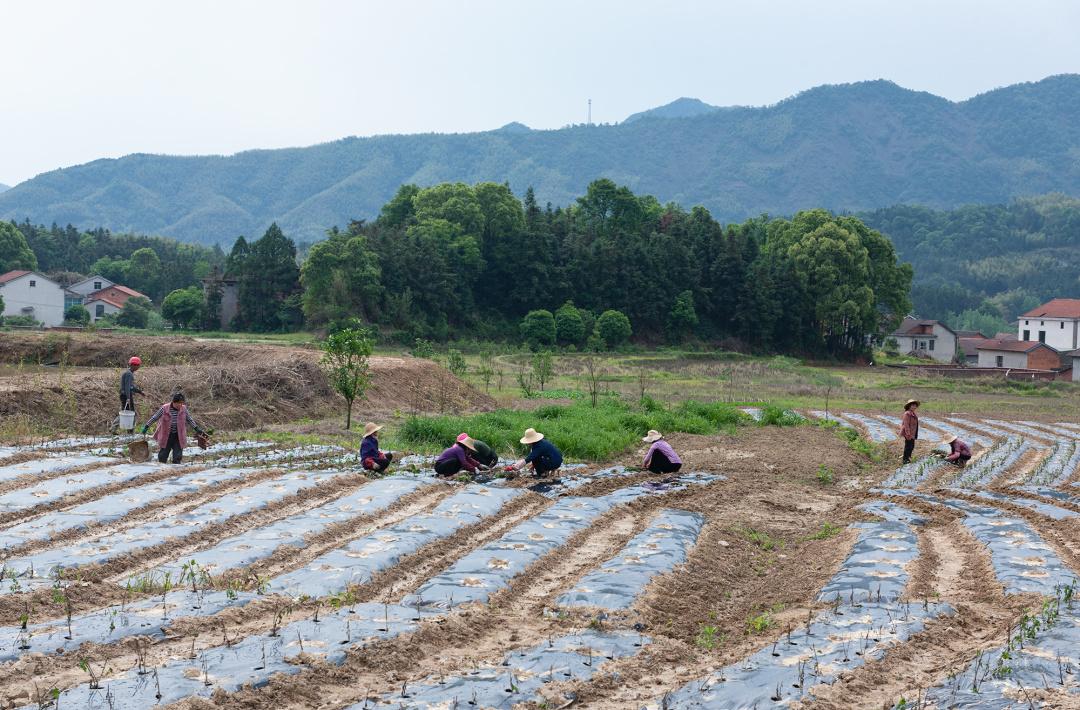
847 147
4 187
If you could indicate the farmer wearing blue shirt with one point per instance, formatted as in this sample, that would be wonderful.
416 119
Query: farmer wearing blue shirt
370 456
543 456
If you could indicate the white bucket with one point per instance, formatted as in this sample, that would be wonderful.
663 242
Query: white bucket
127 420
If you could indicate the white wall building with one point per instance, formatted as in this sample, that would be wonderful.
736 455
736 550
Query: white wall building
101 306
28 293
1056 323
929 338
87 286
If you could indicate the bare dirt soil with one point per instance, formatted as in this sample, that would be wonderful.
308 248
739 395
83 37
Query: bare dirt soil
230 385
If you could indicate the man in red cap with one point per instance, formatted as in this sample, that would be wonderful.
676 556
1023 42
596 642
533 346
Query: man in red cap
128 390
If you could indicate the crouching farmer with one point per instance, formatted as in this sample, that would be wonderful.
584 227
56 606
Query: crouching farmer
457 458
543 456
960 452
481 451
171 432
661 458
371 457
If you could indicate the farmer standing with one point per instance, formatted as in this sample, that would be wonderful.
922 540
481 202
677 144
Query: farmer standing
543 456
128 388
960 452
457 458
171 433
909 427
372 458
660 458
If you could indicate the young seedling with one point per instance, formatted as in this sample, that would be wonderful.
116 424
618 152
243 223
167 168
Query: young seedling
67 609
88 669
300 640
157 685
263 664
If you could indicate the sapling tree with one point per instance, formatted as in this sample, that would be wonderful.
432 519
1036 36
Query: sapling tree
593 375
455 363
486 370
525 380
345 361
543 368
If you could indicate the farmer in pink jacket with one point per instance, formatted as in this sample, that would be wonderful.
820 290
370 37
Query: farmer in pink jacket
171 433
661 458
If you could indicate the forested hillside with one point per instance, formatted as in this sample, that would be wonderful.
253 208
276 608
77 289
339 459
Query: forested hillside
981 266
851 147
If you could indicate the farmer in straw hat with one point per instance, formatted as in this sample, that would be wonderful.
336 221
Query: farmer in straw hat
660 458
543 456
171 433
457 458
909 427
960 452
482 452
371 457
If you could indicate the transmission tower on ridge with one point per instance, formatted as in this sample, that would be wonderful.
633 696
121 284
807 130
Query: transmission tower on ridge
588 121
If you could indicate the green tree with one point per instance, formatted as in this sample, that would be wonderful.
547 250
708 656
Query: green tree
144 272
683 318
75 314
569 327
214 294
341 279
455 363
269 286
345 361
183 307
15 253
399 211
613 328
114 270
543 368
135 313
538 329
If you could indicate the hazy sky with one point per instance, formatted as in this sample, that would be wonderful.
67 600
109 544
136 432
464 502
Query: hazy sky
81 80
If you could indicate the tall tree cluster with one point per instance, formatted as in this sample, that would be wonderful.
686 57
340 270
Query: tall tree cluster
458 260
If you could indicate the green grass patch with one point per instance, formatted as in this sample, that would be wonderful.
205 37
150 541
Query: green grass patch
771 415
827 530
578 429
761 539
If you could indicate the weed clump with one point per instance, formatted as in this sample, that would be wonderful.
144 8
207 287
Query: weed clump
771 415
578 429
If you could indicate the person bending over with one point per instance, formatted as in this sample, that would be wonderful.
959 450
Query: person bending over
543 456
661 458
960 452
171 432
457 458
484 454
371 457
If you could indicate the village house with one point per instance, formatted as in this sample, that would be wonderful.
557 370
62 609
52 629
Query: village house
1073 359
968 343
89 285
1056 323
28 293
1018 354
926 338
109 300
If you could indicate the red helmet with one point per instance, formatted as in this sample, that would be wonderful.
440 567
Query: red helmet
135 361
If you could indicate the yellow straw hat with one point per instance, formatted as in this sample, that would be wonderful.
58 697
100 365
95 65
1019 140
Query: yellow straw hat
531 436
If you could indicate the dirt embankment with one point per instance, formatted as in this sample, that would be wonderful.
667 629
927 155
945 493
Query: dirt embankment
230 385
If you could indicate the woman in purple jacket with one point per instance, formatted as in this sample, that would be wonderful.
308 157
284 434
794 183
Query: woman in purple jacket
457 458
661 458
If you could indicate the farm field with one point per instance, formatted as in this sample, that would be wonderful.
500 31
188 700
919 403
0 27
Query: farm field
786 566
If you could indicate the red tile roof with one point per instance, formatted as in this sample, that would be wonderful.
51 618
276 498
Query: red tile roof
104 299
1012 346
970 346
11 276
1057 308
129 291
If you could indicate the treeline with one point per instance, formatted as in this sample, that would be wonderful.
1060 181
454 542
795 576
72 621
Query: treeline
155 266
454 261
980 266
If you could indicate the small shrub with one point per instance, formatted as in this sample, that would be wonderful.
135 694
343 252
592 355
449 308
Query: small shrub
772 415
825 475
455 363
422 348
827 530
709 637
761 539
760 624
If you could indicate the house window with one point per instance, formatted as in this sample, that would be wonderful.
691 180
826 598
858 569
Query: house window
97 285
1042 336
931 344
1042 322
33 283
922 345
1000 360
99 310
1027 322
1062 325
1027 335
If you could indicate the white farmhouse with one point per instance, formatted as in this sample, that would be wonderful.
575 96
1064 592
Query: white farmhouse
87 286
1056 323
926 338
28 293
